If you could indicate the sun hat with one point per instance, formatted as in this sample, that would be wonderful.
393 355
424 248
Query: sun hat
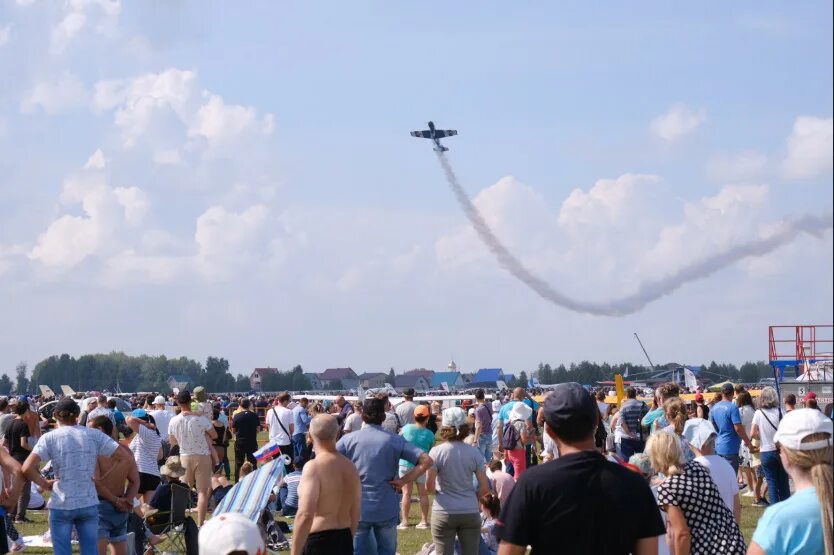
454 417
172 468
159 400
520 411
697 432
231 533
799 424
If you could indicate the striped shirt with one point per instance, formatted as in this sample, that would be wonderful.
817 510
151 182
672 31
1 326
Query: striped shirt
292 480
145 447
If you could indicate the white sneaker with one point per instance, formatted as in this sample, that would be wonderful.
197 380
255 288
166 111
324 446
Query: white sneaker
748 493
402 526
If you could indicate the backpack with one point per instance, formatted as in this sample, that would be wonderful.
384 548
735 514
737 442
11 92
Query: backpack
509 438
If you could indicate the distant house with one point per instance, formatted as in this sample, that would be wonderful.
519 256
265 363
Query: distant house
453 379
487 377
179 381
406 381
315 382
257 376
421 372
370 380
346 376
509 377
467 378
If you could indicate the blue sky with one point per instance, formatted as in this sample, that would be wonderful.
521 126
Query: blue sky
183 178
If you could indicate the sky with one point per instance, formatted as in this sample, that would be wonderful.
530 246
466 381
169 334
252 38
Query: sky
190 178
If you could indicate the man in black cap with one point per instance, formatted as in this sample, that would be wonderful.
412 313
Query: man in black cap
581 502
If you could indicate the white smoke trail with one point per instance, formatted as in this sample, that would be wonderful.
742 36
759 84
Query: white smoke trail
647 291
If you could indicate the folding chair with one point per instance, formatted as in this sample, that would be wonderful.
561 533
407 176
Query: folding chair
171 523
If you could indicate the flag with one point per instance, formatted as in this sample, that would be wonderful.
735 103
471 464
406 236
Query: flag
267 452
689 379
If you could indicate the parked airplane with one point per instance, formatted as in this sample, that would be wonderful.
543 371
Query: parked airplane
67 390
435 135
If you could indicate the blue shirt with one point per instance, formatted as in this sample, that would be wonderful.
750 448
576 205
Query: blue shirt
300 419
793 526
376 454
651 416
723 416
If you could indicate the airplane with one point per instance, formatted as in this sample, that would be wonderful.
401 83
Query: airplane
435 135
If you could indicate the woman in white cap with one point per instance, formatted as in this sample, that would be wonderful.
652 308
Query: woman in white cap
802 523
456 511
515 437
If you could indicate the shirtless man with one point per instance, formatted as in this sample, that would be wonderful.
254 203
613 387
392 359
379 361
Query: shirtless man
329 496
115 503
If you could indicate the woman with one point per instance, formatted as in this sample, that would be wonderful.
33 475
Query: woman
802 524
765 423
146 446
674 410
518 417
221 443
746 409
456 512
698 519
422 437
702 411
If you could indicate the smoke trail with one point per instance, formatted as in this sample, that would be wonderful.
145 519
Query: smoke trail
648 291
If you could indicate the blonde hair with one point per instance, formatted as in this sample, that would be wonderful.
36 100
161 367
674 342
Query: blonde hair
817 463
665 453
675 411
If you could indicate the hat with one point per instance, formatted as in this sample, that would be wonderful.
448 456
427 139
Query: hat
139 413
172 468
231 532
184 397
200 393
641 461
159 400
799 424
728 389
421 410
67 405
699 397
454 417
409 392
808 396
471 412
496 405
520 411
569 405
697 432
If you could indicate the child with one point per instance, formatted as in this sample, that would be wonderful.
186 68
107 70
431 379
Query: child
490 509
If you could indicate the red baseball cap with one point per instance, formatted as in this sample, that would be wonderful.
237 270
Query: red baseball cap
808 396
699 397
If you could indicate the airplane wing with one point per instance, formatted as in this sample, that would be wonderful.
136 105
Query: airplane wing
440 133
422 134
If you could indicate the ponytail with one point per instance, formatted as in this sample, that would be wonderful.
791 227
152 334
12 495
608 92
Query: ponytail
675 412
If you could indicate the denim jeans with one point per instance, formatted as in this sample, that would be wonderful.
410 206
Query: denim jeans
485 447
299 441
376 538
85 521
778 487
629 447
733 460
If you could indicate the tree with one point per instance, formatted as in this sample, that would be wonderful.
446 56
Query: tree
336 384
522 379
242 384
22 381
392 377
5 384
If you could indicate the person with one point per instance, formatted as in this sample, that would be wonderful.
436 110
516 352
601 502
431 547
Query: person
102 410
483 425
434 415
674 411
353 421
246 424
455 511
580 502
73 451
231 533
602 405
747 410
329 496
301 423
631 413
288 487
6 417
146 447
490 511
515 437
810 400
765 423
194 436
726 418
279 423
803 523
698 519
11 480
117 484
162 417
17 442
221 443
419 435
655 419
392 420
790 402
518 396
502 483
405 410
343 409
376 455
701 436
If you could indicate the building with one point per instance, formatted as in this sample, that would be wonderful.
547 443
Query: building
487 378
467 378
315 381
413 381
453 379
257 376
370 380
421 372
179 381
333 376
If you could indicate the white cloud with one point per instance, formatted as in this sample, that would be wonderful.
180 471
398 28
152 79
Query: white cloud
134 201
736 168
167 157
216 120
63 93
679 121
102 15
5 34
224 238
810 146
96 161
605 202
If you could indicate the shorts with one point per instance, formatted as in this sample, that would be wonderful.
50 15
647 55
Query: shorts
112 523
148 482
420 480
329 542
198 471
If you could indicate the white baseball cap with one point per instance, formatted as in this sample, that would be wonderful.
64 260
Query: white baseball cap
697 432
454 417
230 532
799 424
159 400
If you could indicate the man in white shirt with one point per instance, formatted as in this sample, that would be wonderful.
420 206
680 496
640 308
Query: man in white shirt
701 437
405 410
162 417
279 421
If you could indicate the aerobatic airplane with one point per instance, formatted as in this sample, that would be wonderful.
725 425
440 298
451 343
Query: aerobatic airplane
435 135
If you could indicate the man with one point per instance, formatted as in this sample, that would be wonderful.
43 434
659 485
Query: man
91 405
6 417
405 410
8 499
279 421
790 402
483 425
246 425
701 437
344 409
631 413
726 418
17 441
579 503
376 455
329 496
162 417
301 423
353 422
102 409
194 434
74 452
115 499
